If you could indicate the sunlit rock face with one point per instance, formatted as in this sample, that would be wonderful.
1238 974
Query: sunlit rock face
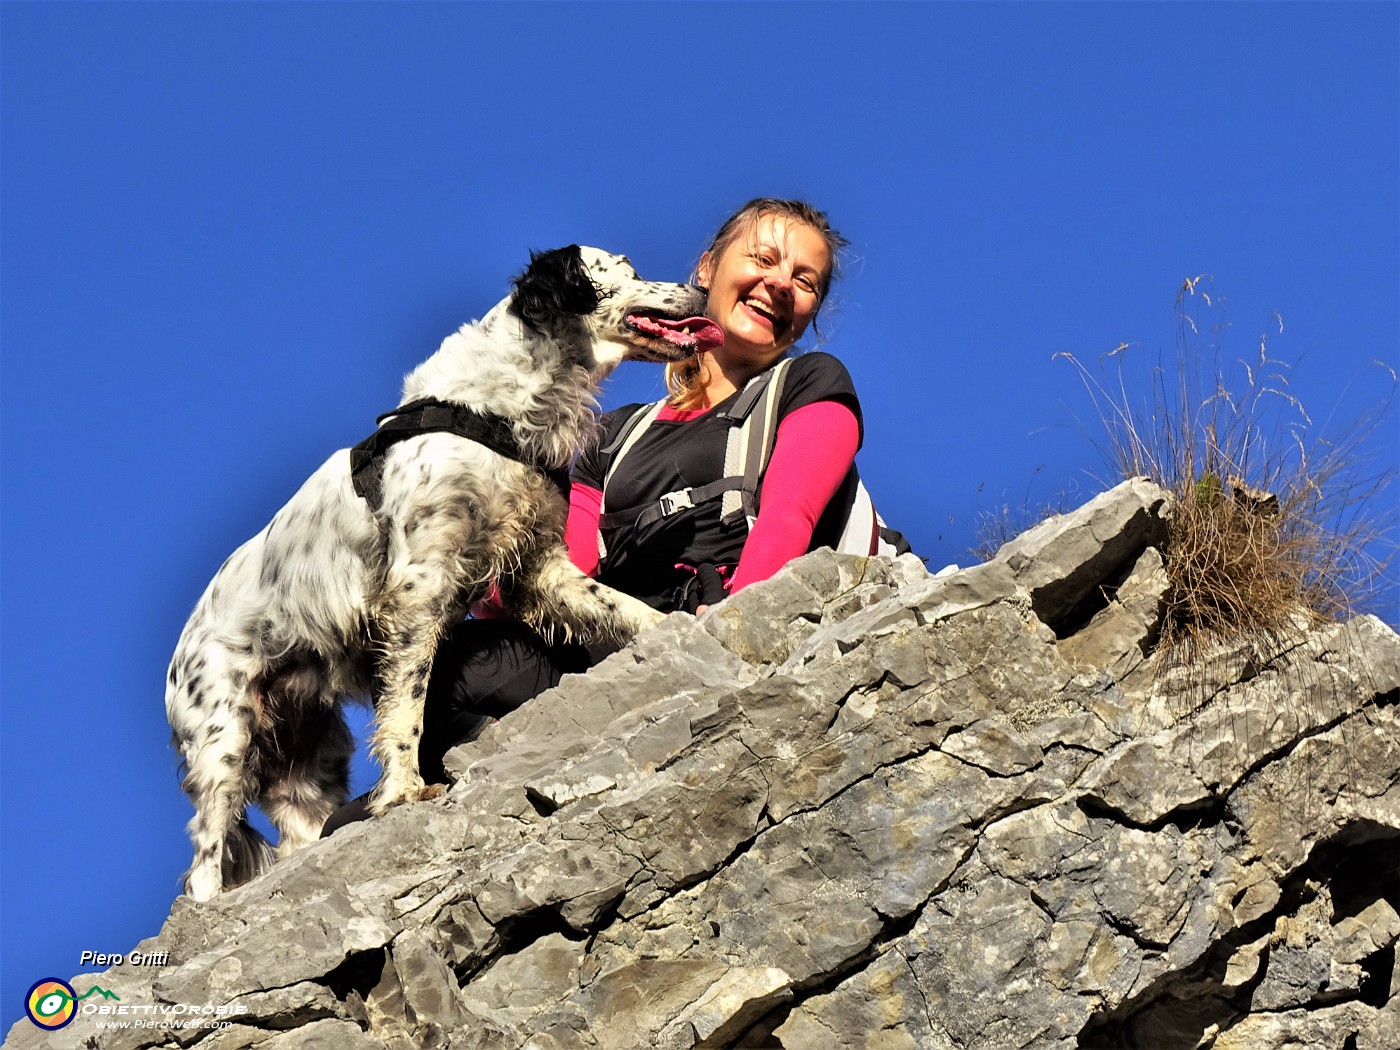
861 806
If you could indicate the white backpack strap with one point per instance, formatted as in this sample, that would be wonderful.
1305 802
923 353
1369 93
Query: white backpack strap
628 436
749 445
622 444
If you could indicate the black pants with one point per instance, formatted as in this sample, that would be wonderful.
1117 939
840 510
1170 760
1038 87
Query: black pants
484 669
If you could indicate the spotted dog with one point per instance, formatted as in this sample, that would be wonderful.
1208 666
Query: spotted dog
345 593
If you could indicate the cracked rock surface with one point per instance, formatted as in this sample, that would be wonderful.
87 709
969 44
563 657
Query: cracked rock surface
859 806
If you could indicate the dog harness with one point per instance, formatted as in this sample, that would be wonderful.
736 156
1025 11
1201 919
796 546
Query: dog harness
429 415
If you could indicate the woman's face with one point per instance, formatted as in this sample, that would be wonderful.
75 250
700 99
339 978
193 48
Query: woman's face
765 287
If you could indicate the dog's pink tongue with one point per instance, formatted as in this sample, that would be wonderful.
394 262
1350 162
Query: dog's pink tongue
705 333
700 332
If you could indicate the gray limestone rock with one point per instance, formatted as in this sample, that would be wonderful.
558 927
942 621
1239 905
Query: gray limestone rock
859 806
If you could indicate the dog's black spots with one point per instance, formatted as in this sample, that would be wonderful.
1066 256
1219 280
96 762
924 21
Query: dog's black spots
172 676
403 747
196 699
603 598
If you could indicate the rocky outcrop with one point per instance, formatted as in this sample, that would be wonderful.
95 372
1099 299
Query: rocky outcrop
859 806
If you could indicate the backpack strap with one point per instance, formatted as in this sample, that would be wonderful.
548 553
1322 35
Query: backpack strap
754 428
621 444
627 436
670 503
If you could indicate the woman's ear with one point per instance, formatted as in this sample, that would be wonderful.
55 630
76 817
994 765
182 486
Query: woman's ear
705 271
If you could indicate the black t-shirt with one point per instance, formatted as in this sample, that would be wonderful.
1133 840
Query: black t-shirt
678 454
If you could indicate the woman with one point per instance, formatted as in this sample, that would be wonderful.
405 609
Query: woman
767 273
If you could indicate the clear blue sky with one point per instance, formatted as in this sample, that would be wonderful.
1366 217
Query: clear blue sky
228 230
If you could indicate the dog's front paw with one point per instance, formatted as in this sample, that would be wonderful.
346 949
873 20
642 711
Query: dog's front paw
649 617
432 791
633 622
388 795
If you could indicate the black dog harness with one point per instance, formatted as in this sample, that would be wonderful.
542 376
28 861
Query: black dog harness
429 415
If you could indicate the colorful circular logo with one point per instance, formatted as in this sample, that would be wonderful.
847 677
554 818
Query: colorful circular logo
51 1003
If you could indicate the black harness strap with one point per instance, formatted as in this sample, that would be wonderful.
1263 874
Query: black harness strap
753 390
669 504
429 415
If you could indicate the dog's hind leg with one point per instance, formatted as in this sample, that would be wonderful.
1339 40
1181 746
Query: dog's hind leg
313 775
551 591
212 711
228 851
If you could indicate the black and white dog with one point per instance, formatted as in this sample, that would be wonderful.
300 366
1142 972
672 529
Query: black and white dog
341 588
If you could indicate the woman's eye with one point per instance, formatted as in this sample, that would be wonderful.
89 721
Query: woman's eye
807 284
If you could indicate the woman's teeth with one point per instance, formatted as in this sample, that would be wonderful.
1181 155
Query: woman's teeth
761 308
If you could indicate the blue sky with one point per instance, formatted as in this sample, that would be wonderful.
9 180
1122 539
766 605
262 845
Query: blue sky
228 230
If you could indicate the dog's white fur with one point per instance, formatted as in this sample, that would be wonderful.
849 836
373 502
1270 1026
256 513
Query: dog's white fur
302 615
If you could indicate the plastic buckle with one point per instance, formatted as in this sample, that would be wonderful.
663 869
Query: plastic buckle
674 501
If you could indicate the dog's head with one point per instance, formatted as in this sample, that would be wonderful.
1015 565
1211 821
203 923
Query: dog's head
624 317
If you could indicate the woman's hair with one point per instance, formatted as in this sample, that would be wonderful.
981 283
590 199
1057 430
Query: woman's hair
684 379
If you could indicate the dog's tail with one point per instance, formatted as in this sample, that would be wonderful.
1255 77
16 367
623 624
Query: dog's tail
247 854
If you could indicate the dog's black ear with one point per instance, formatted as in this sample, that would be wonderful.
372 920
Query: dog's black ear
555 283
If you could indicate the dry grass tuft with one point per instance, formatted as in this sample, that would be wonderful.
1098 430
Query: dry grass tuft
1275 520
